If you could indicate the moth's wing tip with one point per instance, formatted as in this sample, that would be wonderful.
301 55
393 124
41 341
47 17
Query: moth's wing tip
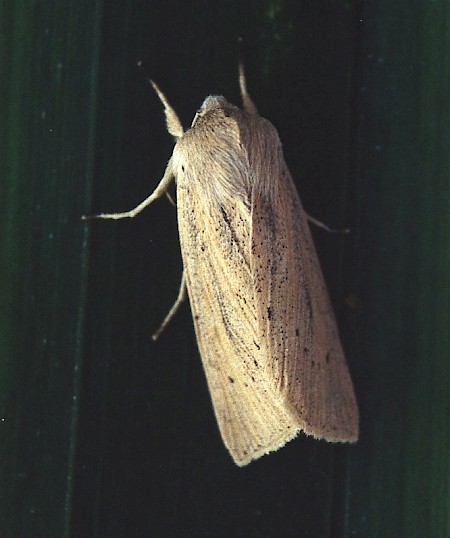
347 437
243 461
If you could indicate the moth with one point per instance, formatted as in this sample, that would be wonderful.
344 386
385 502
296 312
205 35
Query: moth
263 319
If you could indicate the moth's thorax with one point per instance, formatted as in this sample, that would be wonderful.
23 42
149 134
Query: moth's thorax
228 153
211 157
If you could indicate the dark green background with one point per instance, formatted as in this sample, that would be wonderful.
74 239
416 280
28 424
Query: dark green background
103 432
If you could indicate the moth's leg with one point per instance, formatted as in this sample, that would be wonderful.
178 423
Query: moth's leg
181 297
171 200
157 193
320 224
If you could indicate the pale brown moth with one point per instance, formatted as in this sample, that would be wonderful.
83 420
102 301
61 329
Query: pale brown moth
264 323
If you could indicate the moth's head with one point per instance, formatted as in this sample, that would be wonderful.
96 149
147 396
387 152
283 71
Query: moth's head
212 104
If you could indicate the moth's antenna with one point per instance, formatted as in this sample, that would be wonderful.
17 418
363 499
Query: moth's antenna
249 105
172 120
